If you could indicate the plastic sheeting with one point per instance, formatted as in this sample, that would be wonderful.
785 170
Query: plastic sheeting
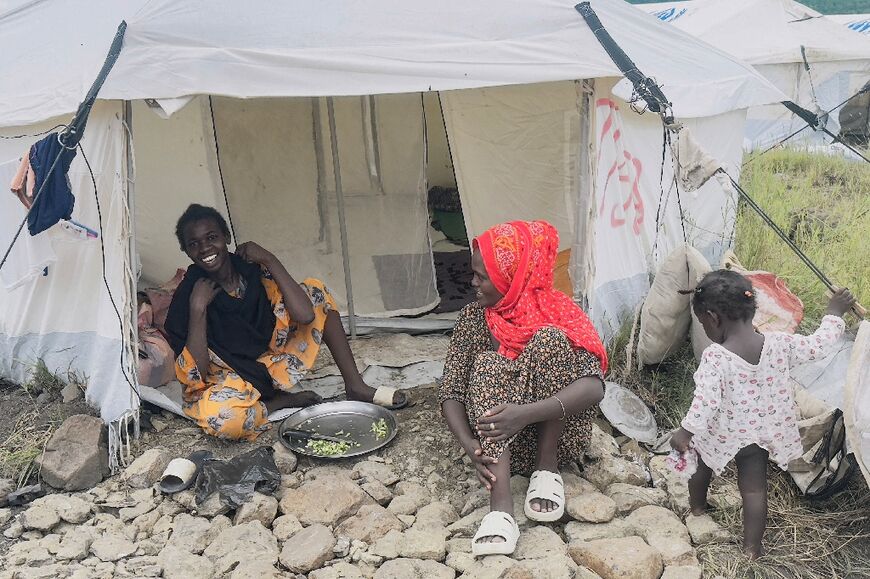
66 318
276 165
638 219
860 23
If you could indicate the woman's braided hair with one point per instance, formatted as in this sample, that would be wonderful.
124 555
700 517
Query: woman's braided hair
726 293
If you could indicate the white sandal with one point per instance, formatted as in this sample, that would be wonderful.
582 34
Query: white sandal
545 486
496 524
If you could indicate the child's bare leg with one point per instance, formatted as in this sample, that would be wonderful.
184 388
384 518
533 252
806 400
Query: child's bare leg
698 486
752 481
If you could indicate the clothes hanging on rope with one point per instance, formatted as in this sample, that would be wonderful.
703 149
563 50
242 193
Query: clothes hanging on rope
56 200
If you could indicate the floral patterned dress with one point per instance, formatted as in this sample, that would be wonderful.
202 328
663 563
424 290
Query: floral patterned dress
227 406
737 404
478 377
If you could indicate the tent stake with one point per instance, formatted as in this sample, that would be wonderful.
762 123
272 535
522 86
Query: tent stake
342 223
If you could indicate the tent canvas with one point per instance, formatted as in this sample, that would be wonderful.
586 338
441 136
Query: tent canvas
774 36
255 140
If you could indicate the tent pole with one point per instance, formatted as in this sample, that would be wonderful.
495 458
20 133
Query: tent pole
582 263
130 186
342 223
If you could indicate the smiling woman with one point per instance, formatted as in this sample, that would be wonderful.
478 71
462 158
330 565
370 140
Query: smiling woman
245 332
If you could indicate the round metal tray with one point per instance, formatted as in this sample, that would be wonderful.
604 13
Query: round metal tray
330 418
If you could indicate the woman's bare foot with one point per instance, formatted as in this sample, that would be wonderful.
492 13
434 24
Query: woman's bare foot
292 400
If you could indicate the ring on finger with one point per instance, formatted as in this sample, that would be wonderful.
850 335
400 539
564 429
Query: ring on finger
492 425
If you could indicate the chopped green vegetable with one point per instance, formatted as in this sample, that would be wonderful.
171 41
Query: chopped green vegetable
380 429
328 448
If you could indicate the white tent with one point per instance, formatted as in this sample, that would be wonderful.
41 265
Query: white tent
858 22
779 38
535 115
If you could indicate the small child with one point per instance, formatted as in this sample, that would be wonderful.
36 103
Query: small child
744 406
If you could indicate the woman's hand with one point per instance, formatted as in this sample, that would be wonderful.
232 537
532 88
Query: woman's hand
254 253
481 464
502 422
681 440
204 291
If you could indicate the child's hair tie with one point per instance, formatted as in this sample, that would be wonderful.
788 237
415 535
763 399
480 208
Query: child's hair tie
748 293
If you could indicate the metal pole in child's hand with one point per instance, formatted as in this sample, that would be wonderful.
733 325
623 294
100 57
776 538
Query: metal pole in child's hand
859 310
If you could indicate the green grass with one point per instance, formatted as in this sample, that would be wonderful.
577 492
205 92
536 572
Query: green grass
824 205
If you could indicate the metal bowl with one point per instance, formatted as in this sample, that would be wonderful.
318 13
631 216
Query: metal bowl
330 418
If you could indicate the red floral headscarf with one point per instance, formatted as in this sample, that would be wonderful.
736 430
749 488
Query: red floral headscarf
519 258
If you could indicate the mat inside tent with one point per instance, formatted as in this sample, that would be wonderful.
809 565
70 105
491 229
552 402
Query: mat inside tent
398 361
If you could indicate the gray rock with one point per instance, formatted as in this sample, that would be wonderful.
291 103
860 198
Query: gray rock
191 534
285 526
369 524
610 469
5 516
674 550
626 558
653 521
147 566
437 515
414 569
147 469
376 471
703 530
112 547
7 485
479 498
285 460
601 444
630 497
308 505
426 543
666 478
74 546
388 545
409 497
261 508
242 543
40 517
308 549
591 507
70 393
555 567
681 572
380 493
77 456
180 564
258 569
340 570
490 567
211 506
141 508
467 525
15 530
615 529
538 543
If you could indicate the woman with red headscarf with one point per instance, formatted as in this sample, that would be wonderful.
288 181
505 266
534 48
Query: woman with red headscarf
523 373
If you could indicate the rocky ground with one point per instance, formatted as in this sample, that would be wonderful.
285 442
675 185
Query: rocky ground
407 512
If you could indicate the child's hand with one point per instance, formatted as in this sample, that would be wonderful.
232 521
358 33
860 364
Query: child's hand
841 302
681 439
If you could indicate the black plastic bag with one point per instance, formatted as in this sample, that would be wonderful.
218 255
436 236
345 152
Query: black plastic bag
238 478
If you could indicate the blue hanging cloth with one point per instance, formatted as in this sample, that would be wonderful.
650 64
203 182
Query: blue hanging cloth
56 201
